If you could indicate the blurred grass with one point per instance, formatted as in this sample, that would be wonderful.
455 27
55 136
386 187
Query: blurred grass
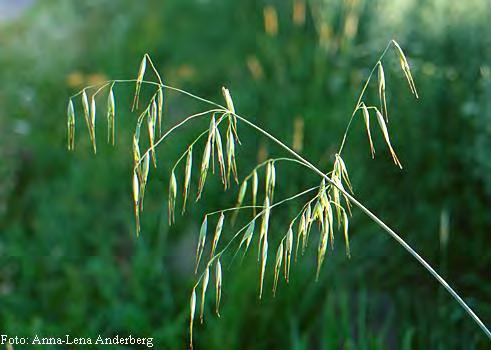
69 261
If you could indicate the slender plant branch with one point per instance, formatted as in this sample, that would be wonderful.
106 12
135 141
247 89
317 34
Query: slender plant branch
379 222
168 87
362 93
272 160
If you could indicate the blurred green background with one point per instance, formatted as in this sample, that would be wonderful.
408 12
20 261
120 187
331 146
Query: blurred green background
69 260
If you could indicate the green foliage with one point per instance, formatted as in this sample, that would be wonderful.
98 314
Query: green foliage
69 261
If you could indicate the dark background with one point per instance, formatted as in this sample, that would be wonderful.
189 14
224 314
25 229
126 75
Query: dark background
69 259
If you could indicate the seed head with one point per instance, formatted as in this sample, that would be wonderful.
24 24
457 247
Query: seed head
218 232
264 258
201 242
254 190
405 69
139 80
366 117
205 164
277 266
381 91
218 286
187 176
160 108
71 125
288 252
206 278
172 197
111 112
385 132
192 308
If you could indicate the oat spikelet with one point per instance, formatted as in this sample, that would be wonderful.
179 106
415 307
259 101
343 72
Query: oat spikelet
221 160
92 121
270 180
232 166
406 69
89 113
205 164
288 252
317 212
329 221
201 242
160 108
240 200
343 171
139 80
151 120
136 198
71 125
335 194
321 250
366 117
192 308
302 232
136 148
277 266
265 222
264 258
228 99
85 105
206 278
218 285
211 140
145 168
385 132
172 197
381 91
254 190
299 237
187 177
345 230
308 218
306 214
218 232
231 108
136 153
111 112
247 238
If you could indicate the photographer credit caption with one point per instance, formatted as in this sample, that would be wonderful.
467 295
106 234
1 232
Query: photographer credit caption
70 340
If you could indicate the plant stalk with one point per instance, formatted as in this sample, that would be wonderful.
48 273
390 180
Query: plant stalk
379 222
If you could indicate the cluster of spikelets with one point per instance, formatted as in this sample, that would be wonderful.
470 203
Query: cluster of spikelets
329 209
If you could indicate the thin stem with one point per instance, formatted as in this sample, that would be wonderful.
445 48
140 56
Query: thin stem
361 96
147 56
102 87
378 222
156 84
234 208
272 160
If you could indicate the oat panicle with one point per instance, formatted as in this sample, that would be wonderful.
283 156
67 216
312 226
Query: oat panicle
328 208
